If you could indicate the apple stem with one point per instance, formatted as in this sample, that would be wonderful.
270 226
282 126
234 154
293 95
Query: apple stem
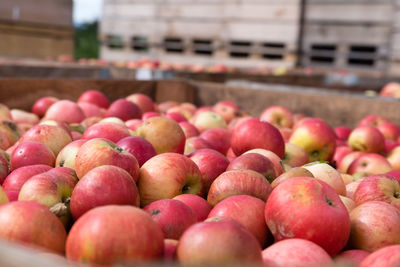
59 209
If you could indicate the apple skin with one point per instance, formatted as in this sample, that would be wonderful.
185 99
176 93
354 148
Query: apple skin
208 120
164 106
173 172
144 102
11 130
278 116
342 132
228 110
295 156
211 164
173 216
118 234
108 130
103 185
65 111
31 153
4 168
178 117
348 203
391 89
99 151
381 187
295 252
138 147
329 175
42 105
124 110
218 138
189 129
248 211
293 172
372 120
385 257
164 134
94 97
369 164
270 155
32 224
394 158
218 242
254 133
238 182
255 162
353 257
352 187
340 153
345 162
91 110
374 225
18 177
389 130
316 137
170 246
199 205
23 117
308 208
67 155
195 143
133 124
366 139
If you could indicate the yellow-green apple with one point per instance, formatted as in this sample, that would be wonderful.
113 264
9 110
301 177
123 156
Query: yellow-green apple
295 252
369 164
248 211
124 110
255 162
295 156
385 257
389 130
316 137
238 182
228 110
67 155
374 225
366 139
22 116
189 129
32 224
178 117
99 151
211 164
114 234
170 246
391 89
329 175
278 116
42 104
166 176
254 133
381 187
138 147
91 110
348 203
101 186
133 124
208 120
11 130
344 163
294 172
340 153
199 205
195 143
94 97
108 130
351 257
65 111
31 153
352 187
308 208
372 120
223 242
54 137
342 132
173 216
218 138
394 158
272 156
163 133
144 102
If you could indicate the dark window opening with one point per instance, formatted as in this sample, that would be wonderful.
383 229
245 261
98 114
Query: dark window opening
321 59
140 43
203 47
361 61
114 42
173 45
274 45
363 48
240 49
323 47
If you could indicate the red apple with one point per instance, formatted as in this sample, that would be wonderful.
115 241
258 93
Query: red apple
124 110
352 187
340 153
18 177
170 246
367 139
342 132
345 162
178 117
352 257
329 175
372 120
31 153
293 172
133 124
316 213
42 105
91 110
65 111
278 116
194 144
108 130
94 97
67 155
385 257
144 102
286 133
389 130
199 205
189 129
389 146
277 161
138 147
226 109
218 138
295 156
103 185
118 234
369 164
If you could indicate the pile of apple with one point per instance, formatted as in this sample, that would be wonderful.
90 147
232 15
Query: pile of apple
135 181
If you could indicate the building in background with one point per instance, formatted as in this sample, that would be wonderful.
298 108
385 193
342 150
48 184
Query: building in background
36 28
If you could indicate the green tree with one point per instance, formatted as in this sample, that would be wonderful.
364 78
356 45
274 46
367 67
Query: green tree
86 41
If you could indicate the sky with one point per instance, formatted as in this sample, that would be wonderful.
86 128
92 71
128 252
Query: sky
87 10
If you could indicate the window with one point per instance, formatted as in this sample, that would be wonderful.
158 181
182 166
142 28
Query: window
140 43
323 53
240 49
173 45
114 42
362 55
202 47
273 50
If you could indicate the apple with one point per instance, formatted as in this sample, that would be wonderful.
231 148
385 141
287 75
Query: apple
277 161
108 130
91 110
340 153
15 180
254 133
195 143
295 156
124 109
394 158
98 151
173 216
31 153
389 130
347 178
316 213
208 120
329 175
348 203
286 133
372 120
42 105
374 225
189 129
345 162
294 172
67 155
223 242
248 211
65 111
32 224
391 89
173 172
385 257
342 132
144 102
237 121
11 131
389 146
367 139
170 246
138 147
351 257
178 117
94 97
238 182
218 138
164 106
133 124
163 133
4 141
369 164
21 116
199 205
295 252
352 187
103 185
113 120
316 137
118 235
228 110
278 116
